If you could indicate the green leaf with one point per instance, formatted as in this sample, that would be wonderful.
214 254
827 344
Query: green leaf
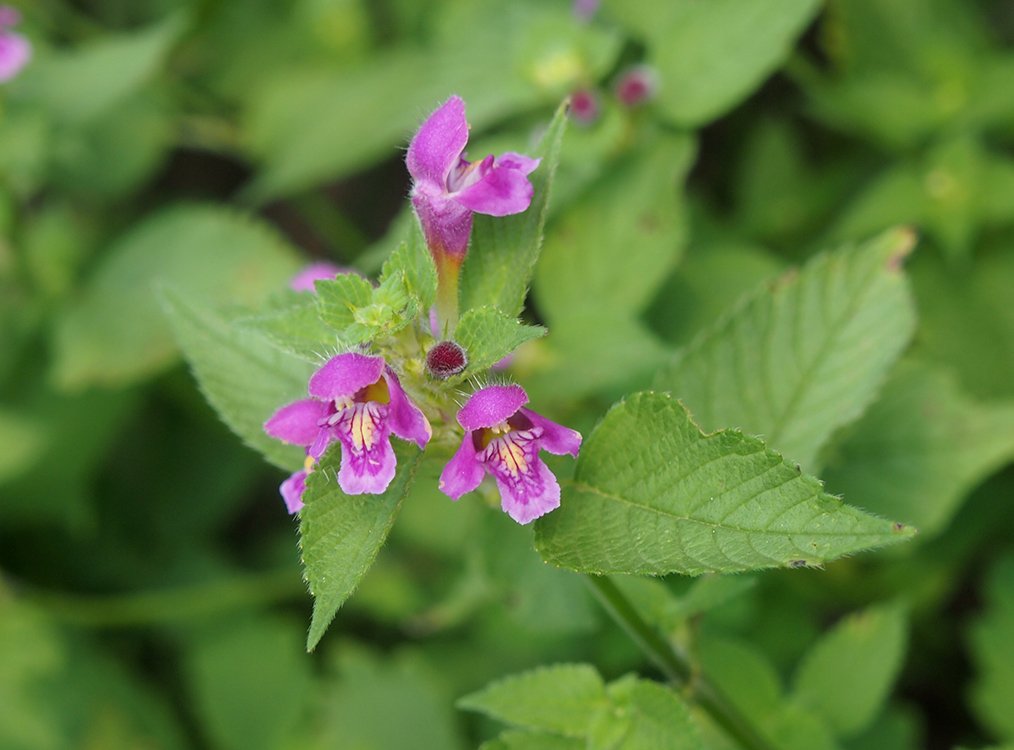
625 236
515 740
562 698
653 495
396 702
241 374
711 55
228 685
990 637
966 321
806 355
358 312
340 535
413 259
83 83
504 249
338 299
487 336
291 322
115 333
645 716
667 610
847 676
921 447
744 674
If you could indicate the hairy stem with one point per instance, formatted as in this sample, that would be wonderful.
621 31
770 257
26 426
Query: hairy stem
675 666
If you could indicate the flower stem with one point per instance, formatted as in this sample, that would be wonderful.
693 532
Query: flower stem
675 666
448 271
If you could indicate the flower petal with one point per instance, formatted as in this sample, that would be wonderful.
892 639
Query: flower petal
555 437
526 498
303 281
491 405
297 423
463 472
504 189
367 472
15 52
404 418
446 224
292 490
345 374
438 144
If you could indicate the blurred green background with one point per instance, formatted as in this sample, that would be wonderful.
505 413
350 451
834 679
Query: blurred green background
150 587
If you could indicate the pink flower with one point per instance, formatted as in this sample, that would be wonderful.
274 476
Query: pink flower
503 438
447 189
357 400
636 85
15 50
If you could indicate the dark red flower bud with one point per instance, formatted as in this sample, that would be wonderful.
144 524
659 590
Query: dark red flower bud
446 359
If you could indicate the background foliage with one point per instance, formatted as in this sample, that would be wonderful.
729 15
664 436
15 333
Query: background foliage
167 165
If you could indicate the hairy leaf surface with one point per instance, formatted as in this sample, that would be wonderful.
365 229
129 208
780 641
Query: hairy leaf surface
804 356
653 495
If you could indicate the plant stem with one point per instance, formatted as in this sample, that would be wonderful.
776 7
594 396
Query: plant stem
675 666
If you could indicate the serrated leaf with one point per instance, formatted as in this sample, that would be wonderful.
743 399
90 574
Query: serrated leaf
504 249
241 374
487 336
338 299
562 698
846 677
115 333
413 260
625 235
360 312
711 55
340 535
804 356
652 495
921 447
990 636
291 322
645 716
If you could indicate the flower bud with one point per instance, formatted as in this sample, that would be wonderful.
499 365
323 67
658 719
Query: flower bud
636 85
446 359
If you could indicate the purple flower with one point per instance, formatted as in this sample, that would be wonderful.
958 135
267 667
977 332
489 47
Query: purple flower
303 281
584 10
447 189
503 438
636 85
357 400
584 106
15 50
